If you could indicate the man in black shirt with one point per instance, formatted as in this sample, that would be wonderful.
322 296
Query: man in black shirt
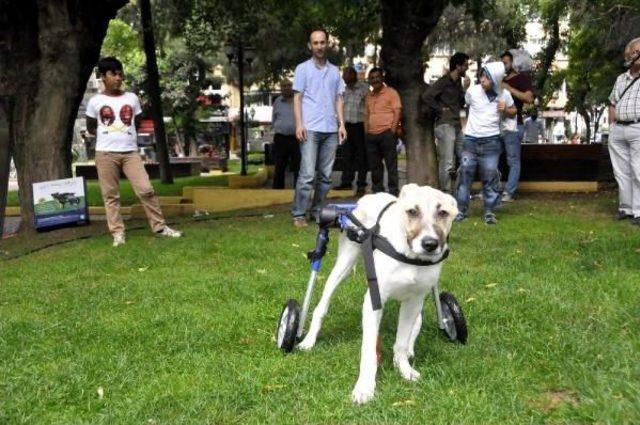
444 100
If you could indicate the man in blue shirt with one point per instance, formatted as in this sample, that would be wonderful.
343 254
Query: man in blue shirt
318 110
285 145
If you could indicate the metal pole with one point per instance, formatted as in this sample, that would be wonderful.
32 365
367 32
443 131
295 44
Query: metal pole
243 139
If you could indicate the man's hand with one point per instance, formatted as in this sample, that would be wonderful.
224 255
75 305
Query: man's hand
342 134
301 133
502 106
466 83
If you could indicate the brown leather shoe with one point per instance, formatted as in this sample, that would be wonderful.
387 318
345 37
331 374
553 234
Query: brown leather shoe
300 222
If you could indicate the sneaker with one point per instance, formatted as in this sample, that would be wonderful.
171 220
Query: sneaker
490 218
636 221
300 222
623 215
168 232
118 239
506 197
460 217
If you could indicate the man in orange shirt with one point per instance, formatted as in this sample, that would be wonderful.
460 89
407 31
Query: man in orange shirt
383 112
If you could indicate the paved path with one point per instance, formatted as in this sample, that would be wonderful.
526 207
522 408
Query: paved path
11 224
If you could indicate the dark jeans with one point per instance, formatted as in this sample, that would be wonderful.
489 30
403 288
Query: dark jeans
382 147
354 153
286 151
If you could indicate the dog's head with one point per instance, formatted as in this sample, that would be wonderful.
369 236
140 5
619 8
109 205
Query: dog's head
427 216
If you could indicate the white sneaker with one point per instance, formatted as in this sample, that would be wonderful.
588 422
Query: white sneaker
118 239
506 197
168 232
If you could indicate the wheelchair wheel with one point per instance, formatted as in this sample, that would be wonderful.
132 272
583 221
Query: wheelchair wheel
455 324
288 326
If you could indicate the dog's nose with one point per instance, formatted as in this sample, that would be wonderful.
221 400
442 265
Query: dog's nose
429 244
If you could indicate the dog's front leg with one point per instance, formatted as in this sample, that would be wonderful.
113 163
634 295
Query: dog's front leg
366 385
417 326
347 255
409 312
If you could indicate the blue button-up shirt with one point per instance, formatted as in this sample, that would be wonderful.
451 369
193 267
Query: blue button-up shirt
320 88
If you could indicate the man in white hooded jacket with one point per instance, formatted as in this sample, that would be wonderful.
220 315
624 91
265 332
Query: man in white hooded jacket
488 104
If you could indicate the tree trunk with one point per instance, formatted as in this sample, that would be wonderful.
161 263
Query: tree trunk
548 55
47 51
584 113
596 124
405 26
154 92
5 158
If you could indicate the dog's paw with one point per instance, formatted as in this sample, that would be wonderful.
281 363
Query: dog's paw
306 344
363 393
405 369
410 374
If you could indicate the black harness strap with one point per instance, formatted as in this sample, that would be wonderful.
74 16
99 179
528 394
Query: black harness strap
371 240
372 278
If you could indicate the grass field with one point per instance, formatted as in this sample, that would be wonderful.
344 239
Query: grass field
181 331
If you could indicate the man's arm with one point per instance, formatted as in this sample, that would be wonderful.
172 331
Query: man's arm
92 125
366 115
301 132
525 96
274 113
612 114
511 111
397 114
342 132
430 97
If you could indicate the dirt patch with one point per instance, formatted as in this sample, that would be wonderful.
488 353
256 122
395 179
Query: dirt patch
551 400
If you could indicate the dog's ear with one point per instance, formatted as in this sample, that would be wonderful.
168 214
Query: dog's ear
450 204
407 189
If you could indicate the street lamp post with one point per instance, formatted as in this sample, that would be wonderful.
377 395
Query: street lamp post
238 54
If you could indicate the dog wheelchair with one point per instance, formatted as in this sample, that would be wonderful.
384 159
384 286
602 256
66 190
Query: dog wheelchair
450 317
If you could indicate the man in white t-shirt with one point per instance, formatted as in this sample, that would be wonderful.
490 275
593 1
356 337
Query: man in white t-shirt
113 117
488 105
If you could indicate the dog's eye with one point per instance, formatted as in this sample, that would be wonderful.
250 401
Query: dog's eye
443 214
413 212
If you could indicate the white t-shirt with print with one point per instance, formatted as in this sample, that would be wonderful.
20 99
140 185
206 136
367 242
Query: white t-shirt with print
484 117
116 121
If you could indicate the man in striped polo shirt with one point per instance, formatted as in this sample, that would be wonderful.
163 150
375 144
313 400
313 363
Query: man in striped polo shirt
624 134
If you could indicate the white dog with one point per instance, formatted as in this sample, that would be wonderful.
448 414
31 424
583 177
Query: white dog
417 225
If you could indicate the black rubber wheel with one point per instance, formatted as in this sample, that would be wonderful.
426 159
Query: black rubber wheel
457 325
288 326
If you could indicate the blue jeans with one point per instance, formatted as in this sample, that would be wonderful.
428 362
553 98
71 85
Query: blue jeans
512 148
485 153
318 153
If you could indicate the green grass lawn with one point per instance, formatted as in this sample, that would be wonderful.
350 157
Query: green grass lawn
128 197
181 331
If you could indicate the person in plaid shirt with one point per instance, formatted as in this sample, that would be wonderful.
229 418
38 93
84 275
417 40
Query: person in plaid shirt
354 150
624 134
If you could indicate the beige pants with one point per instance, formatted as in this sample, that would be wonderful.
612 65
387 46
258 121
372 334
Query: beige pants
109 165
